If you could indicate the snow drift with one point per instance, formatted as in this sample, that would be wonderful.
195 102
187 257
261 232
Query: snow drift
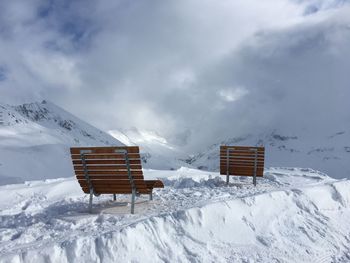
293 215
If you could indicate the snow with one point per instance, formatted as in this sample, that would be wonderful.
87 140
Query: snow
321 150
293 215
156 151
35 139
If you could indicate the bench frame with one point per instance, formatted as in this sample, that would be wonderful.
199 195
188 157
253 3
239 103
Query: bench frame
253 155
150 184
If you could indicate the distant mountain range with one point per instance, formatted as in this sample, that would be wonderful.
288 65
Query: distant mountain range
328 153
35 140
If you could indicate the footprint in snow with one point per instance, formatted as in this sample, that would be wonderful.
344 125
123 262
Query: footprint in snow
26 205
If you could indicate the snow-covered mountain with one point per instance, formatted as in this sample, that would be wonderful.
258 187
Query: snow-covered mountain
35 140
157 152
329 153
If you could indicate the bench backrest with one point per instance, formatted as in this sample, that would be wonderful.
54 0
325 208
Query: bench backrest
242 160
108 170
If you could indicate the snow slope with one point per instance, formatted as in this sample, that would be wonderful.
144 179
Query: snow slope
293 215
325 152
35 140
156 152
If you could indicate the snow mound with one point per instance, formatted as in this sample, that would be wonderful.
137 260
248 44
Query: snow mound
293 215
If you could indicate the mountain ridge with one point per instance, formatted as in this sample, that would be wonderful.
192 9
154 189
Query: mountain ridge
35 139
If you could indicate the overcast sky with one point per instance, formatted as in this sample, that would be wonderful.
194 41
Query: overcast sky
193 71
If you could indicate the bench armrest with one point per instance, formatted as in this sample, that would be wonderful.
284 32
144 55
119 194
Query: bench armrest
154 184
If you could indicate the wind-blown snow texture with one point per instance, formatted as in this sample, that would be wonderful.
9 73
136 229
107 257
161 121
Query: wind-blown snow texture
293 215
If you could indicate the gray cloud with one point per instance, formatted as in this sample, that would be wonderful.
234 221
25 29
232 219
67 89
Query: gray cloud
194 71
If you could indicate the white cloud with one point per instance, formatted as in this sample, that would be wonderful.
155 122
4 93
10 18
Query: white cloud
165 66
232 94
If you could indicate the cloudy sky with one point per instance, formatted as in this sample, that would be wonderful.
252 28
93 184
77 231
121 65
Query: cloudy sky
193 71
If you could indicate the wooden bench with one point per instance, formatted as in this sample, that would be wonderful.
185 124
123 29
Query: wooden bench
111 170
242 161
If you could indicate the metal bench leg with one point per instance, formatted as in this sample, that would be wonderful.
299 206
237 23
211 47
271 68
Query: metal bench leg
227 179
114 197
255 167
151 195
133 200
90 202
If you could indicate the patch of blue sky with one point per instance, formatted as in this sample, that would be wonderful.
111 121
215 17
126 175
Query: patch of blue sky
3 73
63 17
317 6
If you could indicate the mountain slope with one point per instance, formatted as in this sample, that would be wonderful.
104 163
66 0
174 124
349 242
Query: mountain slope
35 140
329 153
156 152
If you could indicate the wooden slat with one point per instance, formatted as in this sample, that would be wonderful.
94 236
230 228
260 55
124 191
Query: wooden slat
154 184
233 162
115 191
245 155
243 174
242 154
114 156
115 187
248 151
106 161
241 168
110 172
110 177
107 167
112 189
241 157
113 181
109 149
241 161
224 147
224 167
97 184
240 165
242 171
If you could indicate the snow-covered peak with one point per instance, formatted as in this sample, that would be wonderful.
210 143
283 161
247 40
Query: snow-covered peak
46 123
35 139
328 152
157 152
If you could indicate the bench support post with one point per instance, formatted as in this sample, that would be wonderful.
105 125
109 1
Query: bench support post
114 197
86 175
133 200
255 166
131 179
90 202
227 166
151 195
